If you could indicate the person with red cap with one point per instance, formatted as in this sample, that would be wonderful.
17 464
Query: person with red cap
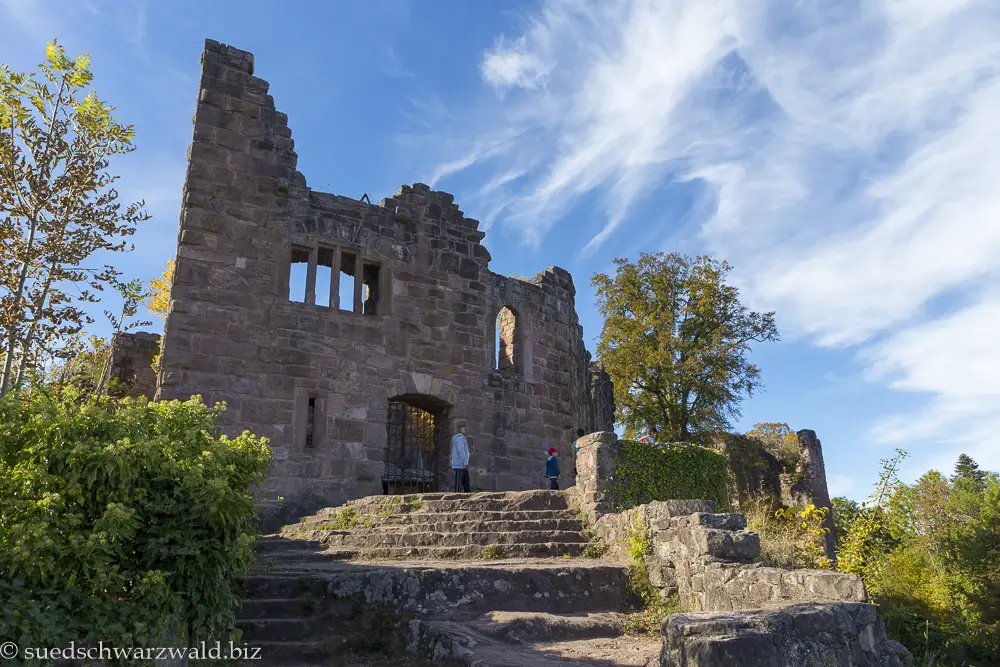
552 469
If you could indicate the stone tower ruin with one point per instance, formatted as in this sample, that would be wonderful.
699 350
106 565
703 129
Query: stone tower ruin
352 335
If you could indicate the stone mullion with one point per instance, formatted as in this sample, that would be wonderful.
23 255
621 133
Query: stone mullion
359 276
335 279
311 276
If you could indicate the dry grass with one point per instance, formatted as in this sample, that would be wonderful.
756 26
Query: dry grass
783 543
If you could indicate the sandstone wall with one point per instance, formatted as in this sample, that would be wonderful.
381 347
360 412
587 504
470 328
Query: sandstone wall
316 378
131 362
708 559
602 399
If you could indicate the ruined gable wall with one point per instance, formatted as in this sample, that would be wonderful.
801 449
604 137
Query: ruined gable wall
233 335
544 401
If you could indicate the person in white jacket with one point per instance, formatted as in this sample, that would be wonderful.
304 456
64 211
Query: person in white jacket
460 458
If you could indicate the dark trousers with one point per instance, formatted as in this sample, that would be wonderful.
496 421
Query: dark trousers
554 483
462 480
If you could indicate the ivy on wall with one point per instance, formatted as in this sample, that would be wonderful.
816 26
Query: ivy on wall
670 472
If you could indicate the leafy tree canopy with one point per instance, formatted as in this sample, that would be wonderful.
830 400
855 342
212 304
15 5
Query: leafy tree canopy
58 207
158 293
778 439
675 342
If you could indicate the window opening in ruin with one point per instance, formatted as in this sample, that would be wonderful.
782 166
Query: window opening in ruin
348 264
311 422
411 458
506 339
370 277
297 274
324 277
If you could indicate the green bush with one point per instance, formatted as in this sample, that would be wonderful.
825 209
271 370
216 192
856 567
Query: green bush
122 521
670 472
929 554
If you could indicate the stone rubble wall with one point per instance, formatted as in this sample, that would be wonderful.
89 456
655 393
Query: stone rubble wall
232 333
713 556
756 471
131 362
738 612
708 559
602 399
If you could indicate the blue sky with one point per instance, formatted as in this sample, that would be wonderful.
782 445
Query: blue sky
843 156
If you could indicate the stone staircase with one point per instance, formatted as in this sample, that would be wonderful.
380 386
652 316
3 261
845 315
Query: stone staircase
531 524
512 579
487 579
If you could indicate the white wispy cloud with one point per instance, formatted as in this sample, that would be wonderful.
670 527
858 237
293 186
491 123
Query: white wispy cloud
509 64
851 151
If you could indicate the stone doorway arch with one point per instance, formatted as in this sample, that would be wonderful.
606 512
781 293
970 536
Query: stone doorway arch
417 436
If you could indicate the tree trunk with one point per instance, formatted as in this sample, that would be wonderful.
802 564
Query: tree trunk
23 278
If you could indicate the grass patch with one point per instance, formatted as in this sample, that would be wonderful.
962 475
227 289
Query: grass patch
645 622
491 552
345 518
412 503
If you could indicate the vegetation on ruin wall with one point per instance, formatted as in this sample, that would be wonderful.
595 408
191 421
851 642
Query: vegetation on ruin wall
670 472
118 520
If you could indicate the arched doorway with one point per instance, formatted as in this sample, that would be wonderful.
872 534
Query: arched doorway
418 433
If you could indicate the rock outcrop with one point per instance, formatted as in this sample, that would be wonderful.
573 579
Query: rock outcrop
806 634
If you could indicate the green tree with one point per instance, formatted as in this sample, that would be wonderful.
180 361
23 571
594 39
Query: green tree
58 206
778 439
675 342
929 554
845 511
158 292
967 468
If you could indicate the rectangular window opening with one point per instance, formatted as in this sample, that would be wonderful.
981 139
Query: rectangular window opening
297 274
348 267
324 276
371 296
311 423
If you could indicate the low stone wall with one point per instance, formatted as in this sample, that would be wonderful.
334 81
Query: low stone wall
596 459
713 558
613 529
707 559
846 633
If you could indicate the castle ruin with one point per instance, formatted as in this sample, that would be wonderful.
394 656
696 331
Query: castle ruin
353 335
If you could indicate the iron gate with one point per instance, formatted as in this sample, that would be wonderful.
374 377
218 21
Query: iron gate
411 464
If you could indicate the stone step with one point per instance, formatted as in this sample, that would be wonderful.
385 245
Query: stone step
435 539
604 652
424 552
272 544
520 627
500 522
483 515
465 644
287 629
260 608
484 502
439 589
298 652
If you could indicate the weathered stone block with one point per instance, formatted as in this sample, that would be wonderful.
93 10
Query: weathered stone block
803 635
